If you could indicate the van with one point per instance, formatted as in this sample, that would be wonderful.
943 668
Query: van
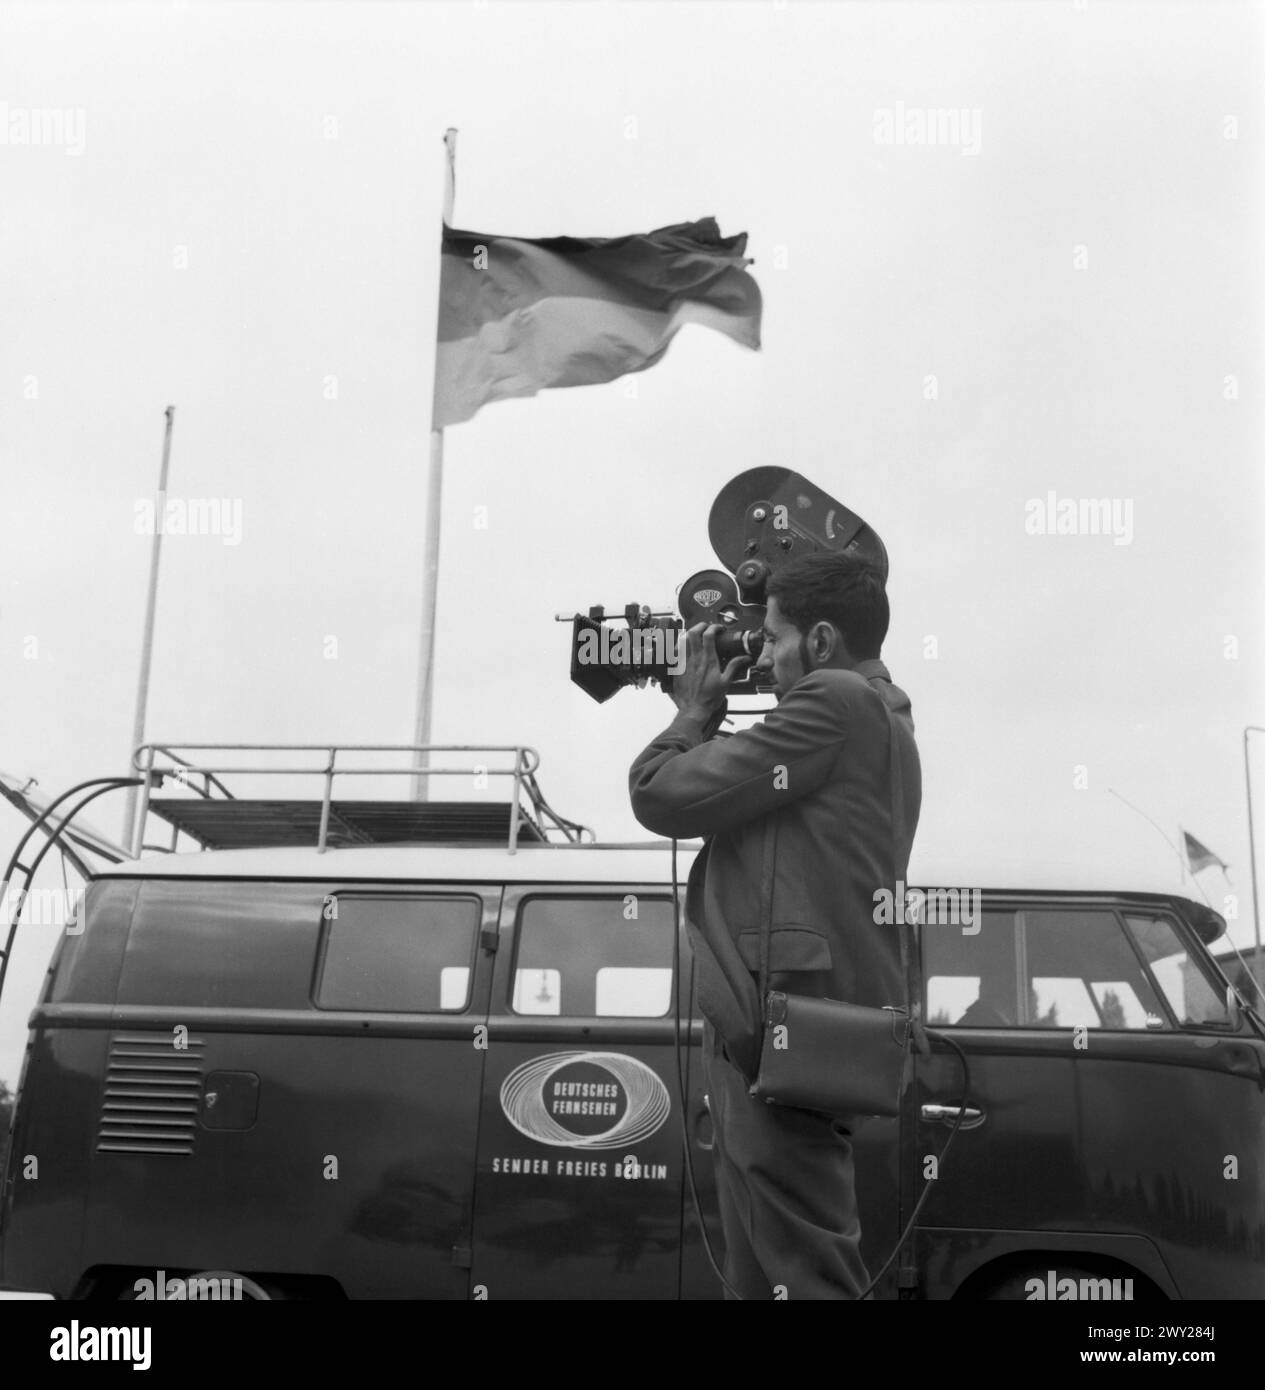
449 1069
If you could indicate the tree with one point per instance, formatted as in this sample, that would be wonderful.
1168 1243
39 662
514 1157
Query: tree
1049 1019
1112 1010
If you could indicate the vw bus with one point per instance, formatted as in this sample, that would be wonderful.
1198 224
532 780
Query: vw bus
367 1049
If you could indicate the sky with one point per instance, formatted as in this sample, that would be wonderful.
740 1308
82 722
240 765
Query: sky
241 219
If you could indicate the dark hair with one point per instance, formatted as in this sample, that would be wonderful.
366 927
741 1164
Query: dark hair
831 587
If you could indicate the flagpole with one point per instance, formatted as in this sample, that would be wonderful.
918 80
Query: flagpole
1251 852
434 503
132 833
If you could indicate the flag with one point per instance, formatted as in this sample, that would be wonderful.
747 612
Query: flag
1200 856
517 316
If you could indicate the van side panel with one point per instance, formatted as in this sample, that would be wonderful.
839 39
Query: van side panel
358 1166
86 968
1194 1185
51 1161
207 1114
58 1102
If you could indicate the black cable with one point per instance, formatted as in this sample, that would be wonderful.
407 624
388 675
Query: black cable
53 833
112 785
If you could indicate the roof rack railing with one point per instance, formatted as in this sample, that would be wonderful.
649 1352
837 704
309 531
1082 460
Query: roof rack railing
161 761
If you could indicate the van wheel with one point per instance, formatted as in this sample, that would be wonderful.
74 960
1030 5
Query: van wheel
251 1291
1013 1287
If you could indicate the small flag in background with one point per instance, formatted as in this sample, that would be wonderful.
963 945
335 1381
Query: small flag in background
1200 856
517 316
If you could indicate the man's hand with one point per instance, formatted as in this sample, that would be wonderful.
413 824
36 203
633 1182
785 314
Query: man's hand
701 688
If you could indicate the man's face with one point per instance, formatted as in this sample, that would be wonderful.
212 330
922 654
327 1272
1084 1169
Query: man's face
785 653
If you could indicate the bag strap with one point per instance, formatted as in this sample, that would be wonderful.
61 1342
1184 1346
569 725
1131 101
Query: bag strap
908 951
768 869
908 961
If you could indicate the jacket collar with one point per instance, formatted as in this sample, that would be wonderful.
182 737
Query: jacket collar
873 669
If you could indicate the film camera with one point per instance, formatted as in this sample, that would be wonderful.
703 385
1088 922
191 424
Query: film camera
759 520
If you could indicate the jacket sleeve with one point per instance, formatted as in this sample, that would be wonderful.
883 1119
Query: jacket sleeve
682 785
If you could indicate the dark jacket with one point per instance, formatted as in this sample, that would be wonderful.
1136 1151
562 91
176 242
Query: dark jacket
817 767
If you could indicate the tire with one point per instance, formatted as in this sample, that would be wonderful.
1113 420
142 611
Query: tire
1013 1287
251 1291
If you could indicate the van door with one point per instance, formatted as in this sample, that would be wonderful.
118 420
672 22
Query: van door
410 967
1173 1119
1008 989
1109 1094
578 1189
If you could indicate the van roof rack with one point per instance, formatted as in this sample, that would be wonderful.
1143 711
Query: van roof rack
218 819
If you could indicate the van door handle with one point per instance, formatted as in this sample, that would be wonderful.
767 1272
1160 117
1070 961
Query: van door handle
947 1114
702 1125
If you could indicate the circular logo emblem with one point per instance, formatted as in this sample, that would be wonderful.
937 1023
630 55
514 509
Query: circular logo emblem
585 1100
707 598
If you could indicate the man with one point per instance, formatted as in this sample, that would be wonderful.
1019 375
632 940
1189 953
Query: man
818 767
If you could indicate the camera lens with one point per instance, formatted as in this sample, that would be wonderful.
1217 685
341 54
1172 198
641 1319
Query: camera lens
746 643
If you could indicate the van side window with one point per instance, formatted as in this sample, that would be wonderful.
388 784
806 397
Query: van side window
398 954
1051 968
580 957
1084 973
221 944
972 980
1188 990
